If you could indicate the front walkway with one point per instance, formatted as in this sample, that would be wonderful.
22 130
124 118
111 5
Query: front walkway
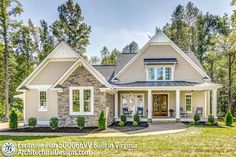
153 129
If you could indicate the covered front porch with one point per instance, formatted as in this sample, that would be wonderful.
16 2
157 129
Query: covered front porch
155 104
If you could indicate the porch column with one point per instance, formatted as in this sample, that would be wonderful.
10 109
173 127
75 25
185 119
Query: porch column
116 105
177 116
214 103
149 104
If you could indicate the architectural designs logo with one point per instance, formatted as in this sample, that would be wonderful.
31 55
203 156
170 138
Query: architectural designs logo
8 149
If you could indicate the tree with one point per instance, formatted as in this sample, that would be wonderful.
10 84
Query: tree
8 9
70 26
113 56
131 48
105 55
94 60
46 40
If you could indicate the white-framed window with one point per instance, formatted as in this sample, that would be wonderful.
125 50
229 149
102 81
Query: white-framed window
160 73
188 102
132 101
81 100
42 100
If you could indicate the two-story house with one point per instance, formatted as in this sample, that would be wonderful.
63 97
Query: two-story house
158 78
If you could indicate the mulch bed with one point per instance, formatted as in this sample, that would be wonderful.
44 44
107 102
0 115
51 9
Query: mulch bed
129 127
57 130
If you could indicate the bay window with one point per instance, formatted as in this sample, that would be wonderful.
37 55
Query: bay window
160 73
81 101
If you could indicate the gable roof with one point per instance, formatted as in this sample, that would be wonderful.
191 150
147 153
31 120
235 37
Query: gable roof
122 60
89 67
194 58
54 54
106 70
161 39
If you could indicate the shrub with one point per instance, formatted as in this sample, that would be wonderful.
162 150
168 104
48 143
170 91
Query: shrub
135 123
102 121
196 117
123 118
228 118
121 123
192 123
136 117
32 121
13 124
54 122
80 122
211 119
208 123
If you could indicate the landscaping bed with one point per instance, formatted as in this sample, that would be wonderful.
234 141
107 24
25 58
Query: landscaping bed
129 126
57 130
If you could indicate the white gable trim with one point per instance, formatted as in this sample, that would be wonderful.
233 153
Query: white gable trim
49 58
167 41
92 70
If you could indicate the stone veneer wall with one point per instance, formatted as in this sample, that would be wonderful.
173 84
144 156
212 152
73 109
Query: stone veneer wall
102 101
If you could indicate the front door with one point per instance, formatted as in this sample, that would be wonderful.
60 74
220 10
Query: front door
160 104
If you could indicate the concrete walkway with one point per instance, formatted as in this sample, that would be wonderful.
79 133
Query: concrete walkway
153 129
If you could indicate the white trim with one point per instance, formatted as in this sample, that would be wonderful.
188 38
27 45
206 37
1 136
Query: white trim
42 109
189 94
177 101
91 69
205 103
24 107
150 104
63 59
45 87
171 43
81 89
41 66
169 88
164 72
116 106
168 104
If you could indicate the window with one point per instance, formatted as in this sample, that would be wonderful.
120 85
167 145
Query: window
160 73
188 102
168 73
151 74
81 100
42 100
132 101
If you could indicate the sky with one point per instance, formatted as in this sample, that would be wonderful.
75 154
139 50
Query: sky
115 23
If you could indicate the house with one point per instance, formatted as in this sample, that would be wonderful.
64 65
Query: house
158 78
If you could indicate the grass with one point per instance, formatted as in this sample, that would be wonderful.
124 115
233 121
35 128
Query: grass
195 141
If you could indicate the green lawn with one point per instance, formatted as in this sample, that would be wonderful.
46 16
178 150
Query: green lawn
195 141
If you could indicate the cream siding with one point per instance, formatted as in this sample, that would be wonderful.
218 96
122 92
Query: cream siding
32 103
51 73
183 70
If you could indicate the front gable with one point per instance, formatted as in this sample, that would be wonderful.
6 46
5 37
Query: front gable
160 46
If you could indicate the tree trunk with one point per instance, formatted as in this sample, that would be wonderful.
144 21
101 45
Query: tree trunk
6 56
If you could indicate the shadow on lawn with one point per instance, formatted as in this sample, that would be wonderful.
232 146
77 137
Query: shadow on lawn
24 138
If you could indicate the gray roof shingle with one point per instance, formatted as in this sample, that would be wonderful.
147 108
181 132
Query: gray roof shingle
106 70
122 60
156 83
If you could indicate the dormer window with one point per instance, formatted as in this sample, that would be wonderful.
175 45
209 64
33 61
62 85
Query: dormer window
160 73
